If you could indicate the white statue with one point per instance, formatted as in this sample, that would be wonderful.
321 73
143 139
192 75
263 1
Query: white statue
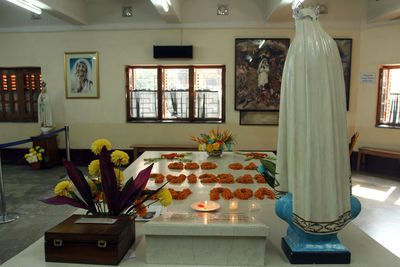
313 156
44 110
263 70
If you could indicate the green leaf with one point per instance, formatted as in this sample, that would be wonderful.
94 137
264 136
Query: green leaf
269 165
204 136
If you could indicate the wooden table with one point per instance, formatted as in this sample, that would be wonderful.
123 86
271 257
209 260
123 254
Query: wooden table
362 151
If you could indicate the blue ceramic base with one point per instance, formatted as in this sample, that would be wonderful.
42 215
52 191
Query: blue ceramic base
302 247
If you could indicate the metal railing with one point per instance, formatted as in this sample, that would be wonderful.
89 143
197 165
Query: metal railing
5 216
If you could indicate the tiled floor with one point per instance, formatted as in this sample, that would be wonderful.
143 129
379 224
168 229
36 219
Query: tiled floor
380 214
380 219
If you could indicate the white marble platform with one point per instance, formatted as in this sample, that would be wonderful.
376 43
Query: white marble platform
205 238
223 237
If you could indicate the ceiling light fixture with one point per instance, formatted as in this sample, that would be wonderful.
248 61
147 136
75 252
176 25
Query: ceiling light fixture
127 11
27 5
165 4
222 10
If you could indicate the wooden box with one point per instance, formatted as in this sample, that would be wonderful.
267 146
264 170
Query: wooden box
93 243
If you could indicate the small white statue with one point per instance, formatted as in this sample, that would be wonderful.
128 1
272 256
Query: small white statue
263 70
44 110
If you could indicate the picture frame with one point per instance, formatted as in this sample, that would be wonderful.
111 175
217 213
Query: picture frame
259 66
259 118
345 49
81 71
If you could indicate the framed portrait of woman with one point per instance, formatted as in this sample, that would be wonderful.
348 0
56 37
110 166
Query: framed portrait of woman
81 74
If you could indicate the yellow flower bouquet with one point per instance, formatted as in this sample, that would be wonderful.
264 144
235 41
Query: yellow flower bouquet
36 154
214 142
105 193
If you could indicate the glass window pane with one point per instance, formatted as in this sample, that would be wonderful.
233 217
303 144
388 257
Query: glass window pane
395 81
15 95
16 108
6 96
143 93
389 90
35 95
175 93
8 108
208 93
27 107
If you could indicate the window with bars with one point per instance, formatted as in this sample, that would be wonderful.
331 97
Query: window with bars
176 93
388 107
19 91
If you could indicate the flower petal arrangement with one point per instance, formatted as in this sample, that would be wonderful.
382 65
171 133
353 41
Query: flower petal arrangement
216 140
104 193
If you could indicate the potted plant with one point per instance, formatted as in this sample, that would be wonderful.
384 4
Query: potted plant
107 182
35 157
105 194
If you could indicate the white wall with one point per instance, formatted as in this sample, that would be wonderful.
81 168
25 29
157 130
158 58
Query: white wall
105 117
379 45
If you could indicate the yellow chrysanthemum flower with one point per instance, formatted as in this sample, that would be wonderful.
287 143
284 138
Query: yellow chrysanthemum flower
119 175
93 187
94 168
165 197
216 146
37 148
63 188
31 150
98 145
119 158
209 147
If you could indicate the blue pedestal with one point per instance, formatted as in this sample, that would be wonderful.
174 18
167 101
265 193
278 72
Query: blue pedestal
304 248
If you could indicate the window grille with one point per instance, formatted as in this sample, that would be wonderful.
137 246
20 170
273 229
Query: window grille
176 93
19 91
388 106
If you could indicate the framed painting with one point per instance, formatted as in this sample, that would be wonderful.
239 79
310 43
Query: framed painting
258 73
344 46
259 117
81 71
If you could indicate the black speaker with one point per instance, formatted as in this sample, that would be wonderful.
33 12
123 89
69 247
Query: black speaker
173 51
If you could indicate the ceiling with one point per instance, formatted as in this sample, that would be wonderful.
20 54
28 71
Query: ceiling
66 15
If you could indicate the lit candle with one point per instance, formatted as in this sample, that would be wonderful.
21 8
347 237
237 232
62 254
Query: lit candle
205 218
233 204
205 205
254 206
233 218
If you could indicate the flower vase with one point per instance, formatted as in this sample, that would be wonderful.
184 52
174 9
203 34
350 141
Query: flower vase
35 166
214 153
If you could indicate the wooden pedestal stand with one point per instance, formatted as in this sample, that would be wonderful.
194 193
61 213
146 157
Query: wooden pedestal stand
51 150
